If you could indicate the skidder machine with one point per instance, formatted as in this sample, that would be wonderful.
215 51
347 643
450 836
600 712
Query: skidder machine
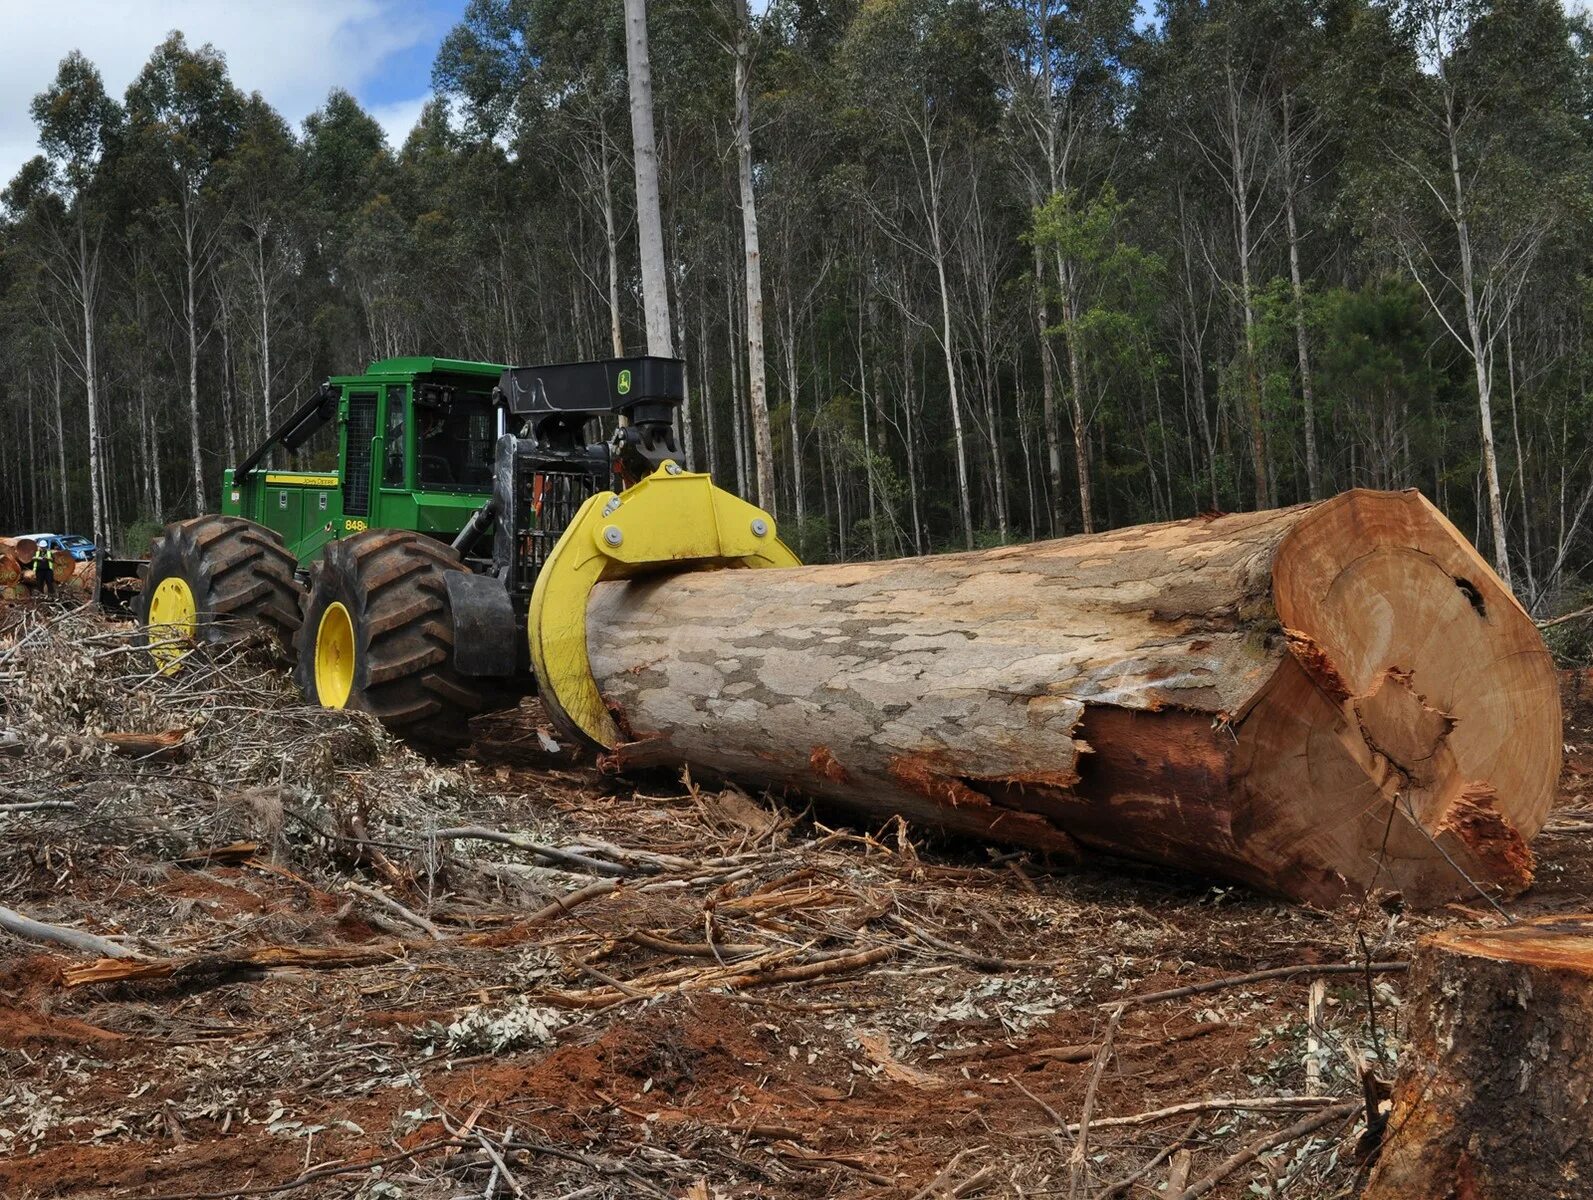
443 567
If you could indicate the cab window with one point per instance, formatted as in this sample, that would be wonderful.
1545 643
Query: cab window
393 472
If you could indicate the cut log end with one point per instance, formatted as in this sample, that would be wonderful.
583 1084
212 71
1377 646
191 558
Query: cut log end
1494 1097
1319 701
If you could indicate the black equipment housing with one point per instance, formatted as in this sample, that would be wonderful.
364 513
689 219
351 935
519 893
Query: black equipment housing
546 464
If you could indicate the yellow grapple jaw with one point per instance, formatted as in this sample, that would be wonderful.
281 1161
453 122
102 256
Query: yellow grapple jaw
673 520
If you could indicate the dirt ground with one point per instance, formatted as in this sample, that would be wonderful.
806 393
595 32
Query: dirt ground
651 989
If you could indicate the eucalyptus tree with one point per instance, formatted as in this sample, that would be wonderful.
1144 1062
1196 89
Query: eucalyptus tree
77 122
923 73
184 115
1065 72
1477 154
264 181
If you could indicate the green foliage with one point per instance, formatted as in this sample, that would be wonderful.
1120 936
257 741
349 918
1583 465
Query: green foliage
1043 206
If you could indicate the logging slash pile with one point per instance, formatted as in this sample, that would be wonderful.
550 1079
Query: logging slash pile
253 947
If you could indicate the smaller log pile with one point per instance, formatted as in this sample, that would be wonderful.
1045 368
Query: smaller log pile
16 568
1496 1096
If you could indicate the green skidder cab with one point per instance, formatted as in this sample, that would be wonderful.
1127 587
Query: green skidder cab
399 563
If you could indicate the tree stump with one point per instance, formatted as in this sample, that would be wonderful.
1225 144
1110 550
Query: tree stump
1315 701
1495 1101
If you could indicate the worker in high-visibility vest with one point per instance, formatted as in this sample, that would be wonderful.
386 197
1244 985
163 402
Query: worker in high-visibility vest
43 569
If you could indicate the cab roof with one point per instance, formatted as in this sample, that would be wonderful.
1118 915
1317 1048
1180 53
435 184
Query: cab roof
425 365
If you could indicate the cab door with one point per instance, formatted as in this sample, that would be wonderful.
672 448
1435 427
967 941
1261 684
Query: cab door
359 452
394 503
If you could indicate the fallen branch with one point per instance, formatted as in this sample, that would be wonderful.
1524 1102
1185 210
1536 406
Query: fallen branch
40 931
262 958
563 904
1570 616
397 909
581 862
1304 1127
35 805
1217 985
1219 1104
691 949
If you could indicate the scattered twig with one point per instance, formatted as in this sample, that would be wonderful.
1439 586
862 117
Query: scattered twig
1304 1127
499 1167
397 909
648 941
1114 1190
1217 985
318 1173
1078 1159
1561 620
592 866
1217 1104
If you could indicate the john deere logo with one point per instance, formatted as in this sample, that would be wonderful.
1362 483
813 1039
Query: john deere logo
625 383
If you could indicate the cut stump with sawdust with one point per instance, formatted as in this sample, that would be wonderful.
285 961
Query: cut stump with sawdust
1496 1097
1316 701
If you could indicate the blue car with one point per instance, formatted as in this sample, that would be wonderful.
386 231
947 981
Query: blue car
79 547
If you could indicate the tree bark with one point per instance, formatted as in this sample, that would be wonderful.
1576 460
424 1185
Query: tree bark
1317 701
757 386
649 221
1494 1099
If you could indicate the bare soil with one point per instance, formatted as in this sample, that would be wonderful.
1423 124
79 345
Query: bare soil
769 1002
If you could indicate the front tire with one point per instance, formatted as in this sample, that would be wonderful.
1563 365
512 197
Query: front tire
378 636
215 579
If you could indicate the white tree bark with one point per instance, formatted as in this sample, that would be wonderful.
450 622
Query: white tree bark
649 220
757 386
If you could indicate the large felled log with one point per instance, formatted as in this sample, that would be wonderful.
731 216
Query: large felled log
1495 1097
1315 700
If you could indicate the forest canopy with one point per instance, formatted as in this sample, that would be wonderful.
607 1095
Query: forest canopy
1028 268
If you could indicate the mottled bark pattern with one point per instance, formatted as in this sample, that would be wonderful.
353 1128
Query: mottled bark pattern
1299 699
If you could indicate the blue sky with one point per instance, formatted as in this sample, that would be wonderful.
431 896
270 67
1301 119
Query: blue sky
291 51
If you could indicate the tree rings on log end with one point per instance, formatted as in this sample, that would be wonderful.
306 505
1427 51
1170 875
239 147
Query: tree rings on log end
1413 743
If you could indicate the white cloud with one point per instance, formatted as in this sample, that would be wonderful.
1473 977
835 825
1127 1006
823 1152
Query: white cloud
291 51
398 118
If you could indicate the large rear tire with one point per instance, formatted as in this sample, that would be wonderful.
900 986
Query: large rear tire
378 636
217 579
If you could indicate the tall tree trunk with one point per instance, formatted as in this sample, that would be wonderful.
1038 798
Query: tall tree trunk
649 220
1076 410
788 344
1053 439
1481 352
1252 378
736 410
947 341
705 373
60 443
611 238
88 267
757 393
191 316
1313 472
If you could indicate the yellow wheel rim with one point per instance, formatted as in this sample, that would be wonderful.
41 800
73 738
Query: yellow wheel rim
334 656
173 620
